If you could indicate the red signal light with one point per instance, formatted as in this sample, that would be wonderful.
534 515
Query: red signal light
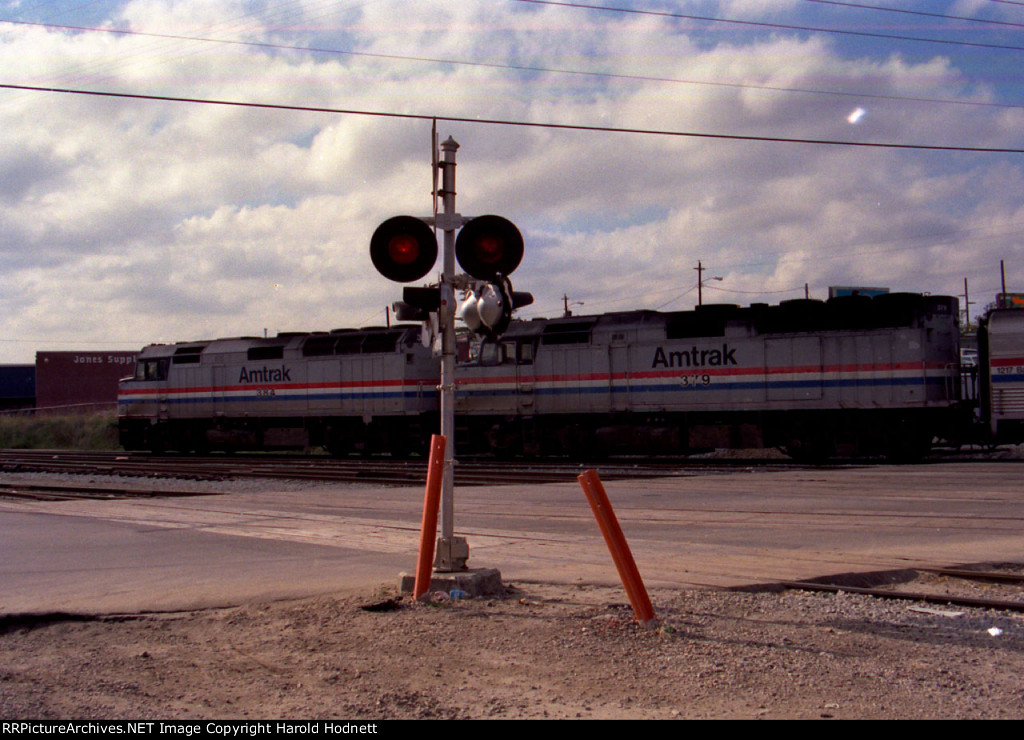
488 246
403 249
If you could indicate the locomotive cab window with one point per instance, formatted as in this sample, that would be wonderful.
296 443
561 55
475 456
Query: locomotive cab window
152 369
504 353
492 353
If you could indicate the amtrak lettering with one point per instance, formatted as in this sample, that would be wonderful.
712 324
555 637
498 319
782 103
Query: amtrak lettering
265 375
695 357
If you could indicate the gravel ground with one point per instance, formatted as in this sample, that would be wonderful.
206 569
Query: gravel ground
543 651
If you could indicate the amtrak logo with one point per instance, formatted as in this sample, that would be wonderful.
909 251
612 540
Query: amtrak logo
265 375
694 357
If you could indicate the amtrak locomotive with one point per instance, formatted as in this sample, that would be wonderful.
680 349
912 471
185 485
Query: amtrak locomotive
846 377
368 390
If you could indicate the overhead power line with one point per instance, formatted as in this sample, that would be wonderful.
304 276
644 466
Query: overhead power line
1007 2
521 67
924 13
522 124
776 26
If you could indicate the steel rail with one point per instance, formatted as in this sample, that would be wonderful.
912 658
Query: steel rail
69 493
1001 604
400 472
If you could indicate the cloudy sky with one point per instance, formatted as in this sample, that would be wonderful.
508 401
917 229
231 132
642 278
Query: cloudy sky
126 221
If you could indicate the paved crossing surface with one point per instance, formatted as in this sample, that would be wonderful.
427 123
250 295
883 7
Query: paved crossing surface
735 529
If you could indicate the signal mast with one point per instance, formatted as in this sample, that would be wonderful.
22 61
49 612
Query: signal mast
489 248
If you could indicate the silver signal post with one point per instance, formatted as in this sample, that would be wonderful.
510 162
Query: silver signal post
452 552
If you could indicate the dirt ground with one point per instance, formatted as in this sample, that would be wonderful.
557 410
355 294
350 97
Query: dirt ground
543 651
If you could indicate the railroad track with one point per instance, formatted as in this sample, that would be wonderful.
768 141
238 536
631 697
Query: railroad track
383 470
368 470
44 492
1005 582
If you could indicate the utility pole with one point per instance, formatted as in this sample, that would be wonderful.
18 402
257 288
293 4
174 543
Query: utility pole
566 311
700 282
967 305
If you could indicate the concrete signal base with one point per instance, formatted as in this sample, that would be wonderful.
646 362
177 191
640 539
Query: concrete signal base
471 583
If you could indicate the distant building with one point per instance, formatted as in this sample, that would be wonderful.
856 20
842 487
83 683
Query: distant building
80 381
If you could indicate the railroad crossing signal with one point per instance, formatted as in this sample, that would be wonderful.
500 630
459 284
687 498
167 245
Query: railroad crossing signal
404 249
489 248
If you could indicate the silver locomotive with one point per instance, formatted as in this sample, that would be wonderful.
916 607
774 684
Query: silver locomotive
850 376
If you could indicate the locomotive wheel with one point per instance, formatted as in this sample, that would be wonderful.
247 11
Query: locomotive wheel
504 441
910 445
155 441
133 439
576 442
404 445
197 442
333 444
808 450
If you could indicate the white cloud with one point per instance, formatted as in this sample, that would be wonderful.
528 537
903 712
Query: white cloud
134 221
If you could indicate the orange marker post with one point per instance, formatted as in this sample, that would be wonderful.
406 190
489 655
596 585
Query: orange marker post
428 526
621 554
